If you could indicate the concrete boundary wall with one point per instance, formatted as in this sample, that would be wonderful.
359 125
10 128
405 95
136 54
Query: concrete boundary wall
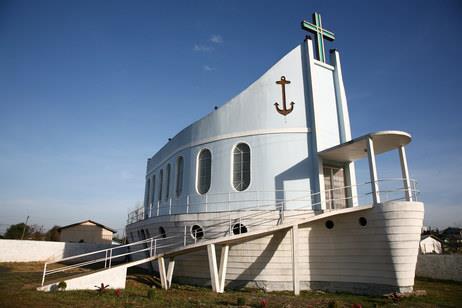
446 267
42 251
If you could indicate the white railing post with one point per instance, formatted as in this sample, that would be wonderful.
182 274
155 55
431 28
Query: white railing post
184 236
150 250
258 200
170 207
110 258
206 206
373 171
150 210
281 211
187 204
230 228
44 273
158 205
105 259
155 247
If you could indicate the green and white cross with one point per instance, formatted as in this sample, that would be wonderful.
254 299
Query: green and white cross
316 28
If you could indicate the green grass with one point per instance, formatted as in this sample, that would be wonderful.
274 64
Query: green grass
18 282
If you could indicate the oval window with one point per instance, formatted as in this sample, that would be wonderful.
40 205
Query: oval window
204 171
241 166
179 175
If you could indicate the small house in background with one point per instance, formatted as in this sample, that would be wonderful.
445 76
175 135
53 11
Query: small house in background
86 231
430 244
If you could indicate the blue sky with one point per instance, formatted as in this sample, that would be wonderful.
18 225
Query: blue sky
90 89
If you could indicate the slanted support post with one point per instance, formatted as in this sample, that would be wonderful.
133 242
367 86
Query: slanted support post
223 267
373 171
405 173
163 275
171 266
217 277
295 280
213 267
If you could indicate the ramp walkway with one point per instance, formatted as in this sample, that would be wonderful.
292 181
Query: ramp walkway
110 265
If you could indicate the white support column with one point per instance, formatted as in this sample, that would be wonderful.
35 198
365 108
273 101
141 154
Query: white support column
405 173
322 191
213 267
350 177
223 267
163 276
373 171
296 281
171 266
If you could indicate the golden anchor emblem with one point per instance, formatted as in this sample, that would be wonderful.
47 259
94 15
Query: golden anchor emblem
284 111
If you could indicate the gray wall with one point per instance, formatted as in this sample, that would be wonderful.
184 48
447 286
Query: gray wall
446 267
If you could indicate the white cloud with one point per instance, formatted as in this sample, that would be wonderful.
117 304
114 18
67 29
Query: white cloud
208 68
202 48
216 38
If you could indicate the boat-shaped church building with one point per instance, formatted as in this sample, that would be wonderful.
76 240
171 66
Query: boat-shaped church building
262 192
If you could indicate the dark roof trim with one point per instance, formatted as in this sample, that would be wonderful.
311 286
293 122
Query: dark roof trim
88 220
422 237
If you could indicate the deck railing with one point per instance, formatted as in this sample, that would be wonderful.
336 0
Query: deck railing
390 189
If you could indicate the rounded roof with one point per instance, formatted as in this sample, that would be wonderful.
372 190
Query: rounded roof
355 149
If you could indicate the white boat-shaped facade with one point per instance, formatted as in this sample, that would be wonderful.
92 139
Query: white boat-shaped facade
250 166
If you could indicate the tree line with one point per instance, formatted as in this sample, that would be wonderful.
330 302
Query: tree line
31 232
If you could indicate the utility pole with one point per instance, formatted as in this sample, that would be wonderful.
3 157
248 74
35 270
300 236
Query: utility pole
24 229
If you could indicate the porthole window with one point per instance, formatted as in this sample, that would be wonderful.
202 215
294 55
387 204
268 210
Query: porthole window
162 232
204 171
362 221
329 224
241 166
197 232
179 176
167 187
239 229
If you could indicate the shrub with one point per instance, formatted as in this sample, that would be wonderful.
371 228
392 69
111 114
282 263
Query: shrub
152 294
62 285
333 304
241 301
264 303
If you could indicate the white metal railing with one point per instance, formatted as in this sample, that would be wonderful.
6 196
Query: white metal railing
236 201
264 214
151 246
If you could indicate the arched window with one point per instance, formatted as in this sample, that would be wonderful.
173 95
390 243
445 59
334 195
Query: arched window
153 189
241 167
167 190
205 171
162 232
179 176
147 195
161 180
